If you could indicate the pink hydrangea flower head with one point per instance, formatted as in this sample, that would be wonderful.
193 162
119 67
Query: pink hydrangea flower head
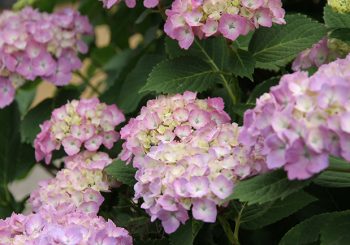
231 19
323 52
303 120
198 174
170 119
47 227
71 189
86 123
39 45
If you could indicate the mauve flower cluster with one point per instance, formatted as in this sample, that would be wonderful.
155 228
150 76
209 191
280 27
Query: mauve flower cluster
76 188
39 45
86 123
204 18
323 52
130 3
47 227
187 158
303 120
168 119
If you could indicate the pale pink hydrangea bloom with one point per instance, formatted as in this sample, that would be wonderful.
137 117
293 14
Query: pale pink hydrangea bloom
316 56
323 52
175 178
47 227
77 187
303 120
86 123
170 119
231 19
39 45
187 158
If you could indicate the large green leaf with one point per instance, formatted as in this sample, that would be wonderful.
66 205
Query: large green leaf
10 141
337 175
181 74
266 188
332 228
257 216
306 232
122 172
129 98
336 20
30 124
276 46
336 231
186 234
217 53
243 63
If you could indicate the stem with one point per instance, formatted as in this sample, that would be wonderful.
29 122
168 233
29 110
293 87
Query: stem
227 229
238 223
216 69
87 82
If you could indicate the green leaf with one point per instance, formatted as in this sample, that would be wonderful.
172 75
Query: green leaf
215 51
26 161
266 188
181 74
306 232
276 46
336 231
129 97
333 228
186 234
36 116
243 63
334 19
337 175
242 42
10 141
341 34
122 172
25 96
258 216
262 88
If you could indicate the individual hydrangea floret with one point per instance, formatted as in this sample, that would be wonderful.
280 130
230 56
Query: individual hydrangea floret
170 119
46 227
198 176
231 19
84 124
39 45
72 189
303 120
323 52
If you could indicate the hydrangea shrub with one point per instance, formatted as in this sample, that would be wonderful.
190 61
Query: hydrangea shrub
192 122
